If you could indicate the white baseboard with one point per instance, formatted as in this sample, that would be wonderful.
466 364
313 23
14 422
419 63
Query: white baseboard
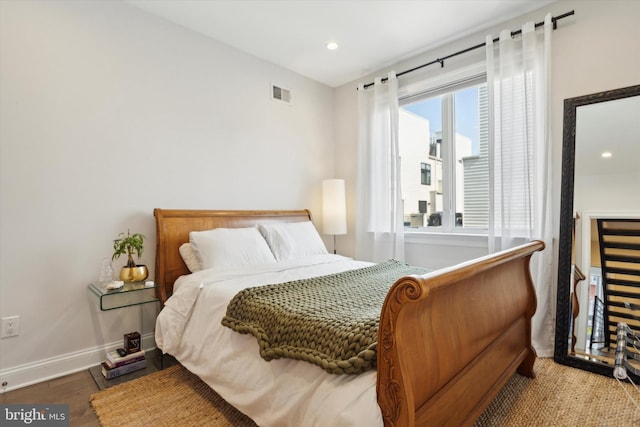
65 364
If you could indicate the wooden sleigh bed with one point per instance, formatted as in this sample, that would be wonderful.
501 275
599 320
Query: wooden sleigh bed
447 341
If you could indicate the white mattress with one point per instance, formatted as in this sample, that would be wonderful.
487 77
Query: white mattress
281 392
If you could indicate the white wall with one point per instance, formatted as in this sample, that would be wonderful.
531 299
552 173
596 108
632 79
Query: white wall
615 193
107 113
595 50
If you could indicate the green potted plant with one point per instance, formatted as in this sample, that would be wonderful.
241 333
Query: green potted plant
129 244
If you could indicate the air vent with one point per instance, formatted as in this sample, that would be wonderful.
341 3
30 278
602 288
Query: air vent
280 94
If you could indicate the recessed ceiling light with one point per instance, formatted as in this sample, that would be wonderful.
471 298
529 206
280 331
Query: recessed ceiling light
332 45
606 154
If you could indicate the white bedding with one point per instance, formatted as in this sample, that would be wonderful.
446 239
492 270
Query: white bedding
278 393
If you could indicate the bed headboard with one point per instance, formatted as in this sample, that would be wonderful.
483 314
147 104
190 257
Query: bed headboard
173 227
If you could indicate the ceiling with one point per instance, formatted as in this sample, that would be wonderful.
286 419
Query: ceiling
371 34
612 126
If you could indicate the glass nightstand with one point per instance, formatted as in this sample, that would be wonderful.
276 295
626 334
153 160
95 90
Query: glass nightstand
135 293
131 294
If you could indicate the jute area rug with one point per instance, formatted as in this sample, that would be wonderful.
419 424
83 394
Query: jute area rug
558 396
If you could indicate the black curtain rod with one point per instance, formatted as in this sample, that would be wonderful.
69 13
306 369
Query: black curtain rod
440 61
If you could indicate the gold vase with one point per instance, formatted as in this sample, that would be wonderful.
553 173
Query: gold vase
134 274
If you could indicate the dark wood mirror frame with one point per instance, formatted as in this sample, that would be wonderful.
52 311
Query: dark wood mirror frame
563 304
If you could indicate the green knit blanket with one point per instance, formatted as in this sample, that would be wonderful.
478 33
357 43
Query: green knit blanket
330 321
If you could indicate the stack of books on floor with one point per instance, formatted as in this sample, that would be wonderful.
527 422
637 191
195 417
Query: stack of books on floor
118 364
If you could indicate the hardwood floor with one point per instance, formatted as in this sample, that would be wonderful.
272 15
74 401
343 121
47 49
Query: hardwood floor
73 390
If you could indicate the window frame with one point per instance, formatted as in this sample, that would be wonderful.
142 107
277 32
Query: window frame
425 173
446 83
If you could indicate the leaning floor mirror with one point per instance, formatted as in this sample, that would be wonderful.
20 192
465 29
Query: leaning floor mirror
599 249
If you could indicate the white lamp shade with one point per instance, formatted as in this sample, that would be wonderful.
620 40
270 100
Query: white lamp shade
334 207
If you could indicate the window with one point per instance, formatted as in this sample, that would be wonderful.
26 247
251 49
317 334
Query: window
425 173
449 127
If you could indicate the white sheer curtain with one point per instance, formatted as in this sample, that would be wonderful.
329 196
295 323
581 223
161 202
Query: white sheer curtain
518 71
379 217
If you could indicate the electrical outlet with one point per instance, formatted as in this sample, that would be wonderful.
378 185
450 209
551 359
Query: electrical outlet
10 327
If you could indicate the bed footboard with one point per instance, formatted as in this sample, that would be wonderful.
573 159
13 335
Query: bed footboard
448 341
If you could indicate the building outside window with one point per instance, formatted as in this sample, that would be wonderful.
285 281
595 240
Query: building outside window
449 128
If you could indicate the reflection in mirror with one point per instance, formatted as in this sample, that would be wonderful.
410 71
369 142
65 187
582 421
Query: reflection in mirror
600 184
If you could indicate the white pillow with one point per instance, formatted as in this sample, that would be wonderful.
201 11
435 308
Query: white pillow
230 248
189 257
291 240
